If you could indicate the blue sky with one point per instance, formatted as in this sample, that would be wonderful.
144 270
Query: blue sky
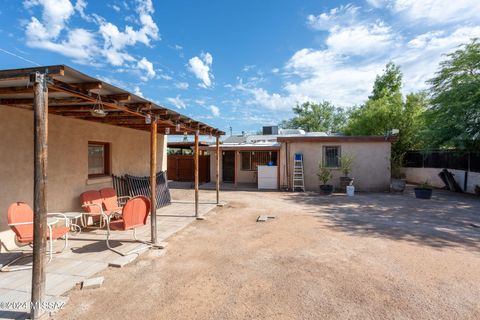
239 64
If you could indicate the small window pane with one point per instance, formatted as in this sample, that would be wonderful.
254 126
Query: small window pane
331 155
245 160
96 159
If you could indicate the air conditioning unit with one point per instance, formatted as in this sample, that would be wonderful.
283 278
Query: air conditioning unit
270 130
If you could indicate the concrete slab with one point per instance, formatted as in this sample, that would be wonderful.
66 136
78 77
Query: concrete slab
92 283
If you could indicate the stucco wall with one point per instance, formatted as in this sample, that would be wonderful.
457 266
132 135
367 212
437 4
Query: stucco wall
371 168
420 175
67 158
242 176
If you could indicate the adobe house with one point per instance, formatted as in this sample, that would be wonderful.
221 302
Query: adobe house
84 148
243 157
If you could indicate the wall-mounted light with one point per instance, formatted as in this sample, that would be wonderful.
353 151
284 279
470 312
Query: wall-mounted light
167 130
148 118
177 127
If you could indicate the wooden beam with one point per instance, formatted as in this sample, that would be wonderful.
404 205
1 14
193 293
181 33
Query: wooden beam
40 123
119 97
18 74
217 172
153 181
54 101
16 90
87 85
90 96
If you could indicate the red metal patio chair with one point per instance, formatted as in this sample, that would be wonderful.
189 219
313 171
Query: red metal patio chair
134 215
92 204
20 220
110 200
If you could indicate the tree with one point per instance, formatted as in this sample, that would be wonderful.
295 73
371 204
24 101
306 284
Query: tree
386 110
311 116
454 116
387 84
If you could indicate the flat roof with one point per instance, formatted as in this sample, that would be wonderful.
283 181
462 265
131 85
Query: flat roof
336 138
185 144
73 94
245 147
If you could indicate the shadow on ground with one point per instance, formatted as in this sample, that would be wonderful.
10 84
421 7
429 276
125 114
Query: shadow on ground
447 220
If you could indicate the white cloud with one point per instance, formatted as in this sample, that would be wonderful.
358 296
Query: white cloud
52 32
177 102
200 67
147 67
215 111
182 85
137 91
327 20
433 11
54 16
377 3
360 39
328 75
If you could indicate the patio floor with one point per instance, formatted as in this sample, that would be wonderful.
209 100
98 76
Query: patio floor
85 256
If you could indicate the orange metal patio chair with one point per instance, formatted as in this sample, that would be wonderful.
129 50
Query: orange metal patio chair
134 215
110 200
20 220
92 204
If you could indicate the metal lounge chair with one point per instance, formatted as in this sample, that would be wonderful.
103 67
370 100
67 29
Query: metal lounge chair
110 200
20 220
92 204
134 215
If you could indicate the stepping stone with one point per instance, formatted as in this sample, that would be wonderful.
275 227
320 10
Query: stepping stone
92 283
123 260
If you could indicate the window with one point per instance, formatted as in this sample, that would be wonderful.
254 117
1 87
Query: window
252 159
98 159
331 156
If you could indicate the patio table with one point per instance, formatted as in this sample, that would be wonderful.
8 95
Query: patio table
71 219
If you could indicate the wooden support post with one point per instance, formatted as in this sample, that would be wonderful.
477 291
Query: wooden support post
217 173
235 169
153 180
40 137
195 172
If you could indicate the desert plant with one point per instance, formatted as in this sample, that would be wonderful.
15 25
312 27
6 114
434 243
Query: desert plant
346 162
324 174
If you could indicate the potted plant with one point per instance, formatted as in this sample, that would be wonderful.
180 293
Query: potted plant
424 191
324 175
397 181
346 162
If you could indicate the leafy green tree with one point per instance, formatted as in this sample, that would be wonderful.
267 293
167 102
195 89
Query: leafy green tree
387 84
386 110
454 116
311 116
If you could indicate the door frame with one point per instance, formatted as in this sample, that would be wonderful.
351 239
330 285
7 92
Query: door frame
234 166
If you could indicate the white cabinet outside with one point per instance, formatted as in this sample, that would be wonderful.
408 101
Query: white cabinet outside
267 177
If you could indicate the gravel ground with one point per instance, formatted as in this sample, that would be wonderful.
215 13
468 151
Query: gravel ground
374 256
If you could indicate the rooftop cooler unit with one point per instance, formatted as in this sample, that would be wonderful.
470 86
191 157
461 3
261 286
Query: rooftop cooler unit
267 130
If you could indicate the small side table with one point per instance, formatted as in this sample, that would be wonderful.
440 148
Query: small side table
72 219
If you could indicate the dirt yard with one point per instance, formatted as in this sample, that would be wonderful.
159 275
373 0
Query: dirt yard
374 256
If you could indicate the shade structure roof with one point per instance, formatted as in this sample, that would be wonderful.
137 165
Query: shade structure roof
74 94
